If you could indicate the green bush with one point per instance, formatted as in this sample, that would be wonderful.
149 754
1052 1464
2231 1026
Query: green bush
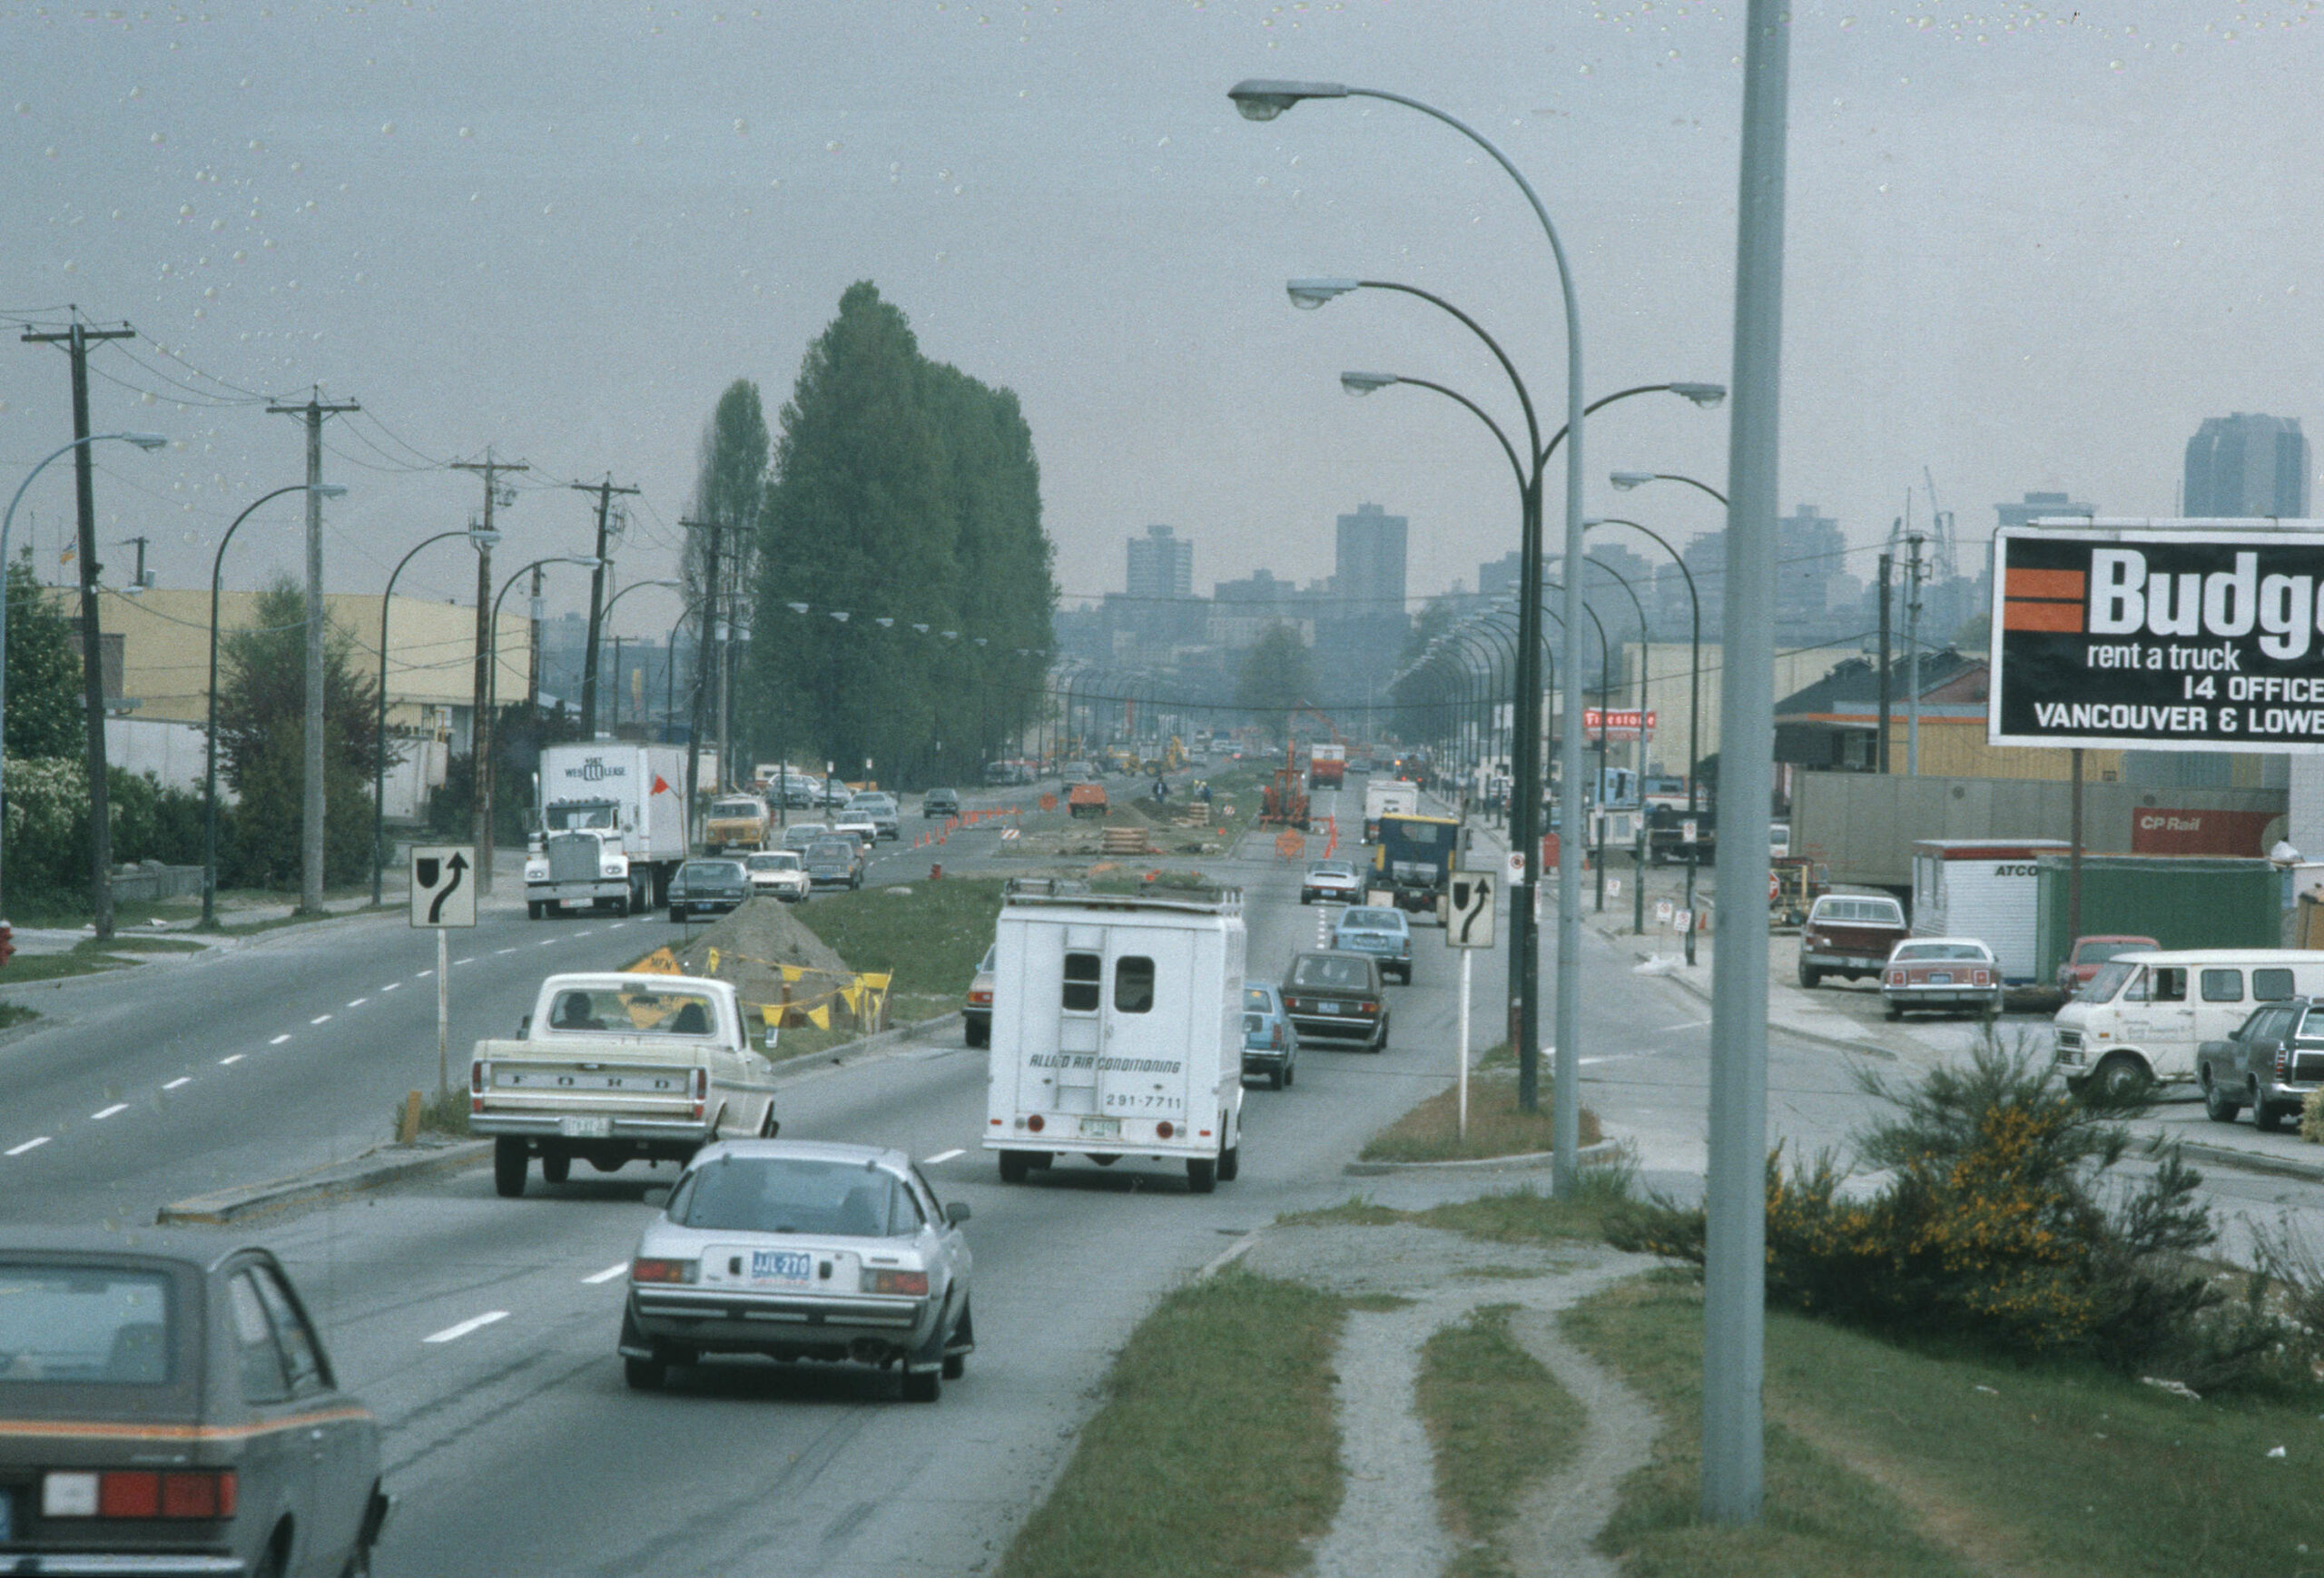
48 831
2311 1116
2000 1223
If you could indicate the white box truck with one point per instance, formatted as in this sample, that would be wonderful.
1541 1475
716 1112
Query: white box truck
1118 1029
613 827
1984 888
1384 797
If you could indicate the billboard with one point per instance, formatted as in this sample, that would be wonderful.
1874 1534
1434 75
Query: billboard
2166 637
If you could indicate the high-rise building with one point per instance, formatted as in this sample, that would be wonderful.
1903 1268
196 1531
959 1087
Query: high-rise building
1810 557
1369 576
2247 465
1160 565
2041 506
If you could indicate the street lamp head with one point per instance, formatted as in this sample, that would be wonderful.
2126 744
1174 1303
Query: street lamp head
951 635
480 538
1262 100
328 489
1626 480
980 640
1363 383
921 628
838 614
1705 395
796 608
147 441
666 586
884 623
1310 294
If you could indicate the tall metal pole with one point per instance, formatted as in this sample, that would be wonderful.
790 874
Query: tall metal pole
481 730
312 806
379 733
1913 661
1735 1182
1880 736
604 491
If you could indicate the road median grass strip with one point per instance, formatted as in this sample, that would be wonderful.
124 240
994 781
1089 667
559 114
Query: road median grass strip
1216 1450
1497 1127
1499 1422
1887 1458
1519 1215
931 938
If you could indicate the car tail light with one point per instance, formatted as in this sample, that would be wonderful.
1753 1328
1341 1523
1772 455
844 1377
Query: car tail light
139 1493
882 1280
1036 1123
1162 1130
644 1271
1895 977
1985 978
2282 1053
1367 1007
698 1084
1276 1038
981 999
479 1076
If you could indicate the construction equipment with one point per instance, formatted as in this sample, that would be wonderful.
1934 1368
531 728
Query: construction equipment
1283 803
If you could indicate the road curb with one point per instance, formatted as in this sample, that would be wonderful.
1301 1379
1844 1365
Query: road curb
2251 1160
1837 1043
1525 1161
222 1207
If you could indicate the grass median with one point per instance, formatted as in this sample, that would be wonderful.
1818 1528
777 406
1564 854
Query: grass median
1888 1459
1216 1450
1498 1126
931 937
1499 1422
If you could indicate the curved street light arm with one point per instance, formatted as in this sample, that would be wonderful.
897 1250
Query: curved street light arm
1524 396
380 734
1508 448
1700 393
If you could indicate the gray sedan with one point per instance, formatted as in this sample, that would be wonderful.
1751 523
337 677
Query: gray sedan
800 1250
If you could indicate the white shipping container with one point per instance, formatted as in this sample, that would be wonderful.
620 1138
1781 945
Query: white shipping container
1986 889
1118 1029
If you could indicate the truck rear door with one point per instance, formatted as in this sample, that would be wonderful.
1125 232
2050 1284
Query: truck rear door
1141 1069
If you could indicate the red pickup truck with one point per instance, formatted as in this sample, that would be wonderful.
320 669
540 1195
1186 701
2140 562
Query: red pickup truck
1849 935
1089 798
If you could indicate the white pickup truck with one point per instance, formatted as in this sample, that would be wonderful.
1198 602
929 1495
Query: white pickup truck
618 1068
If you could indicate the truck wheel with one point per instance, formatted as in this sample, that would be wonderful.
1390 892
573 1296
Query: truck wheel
979 1035
1230 1163
922 1386
2121 1078
644 1374
1202 1175
2217 1105
1013 1167
508 1165
2266 1118
535 908
557 1166
677 916
1809 976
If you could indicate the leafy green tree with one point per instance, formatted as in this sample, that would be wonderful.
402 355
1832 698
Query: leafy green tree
45 702
730 483
262 733
1277 674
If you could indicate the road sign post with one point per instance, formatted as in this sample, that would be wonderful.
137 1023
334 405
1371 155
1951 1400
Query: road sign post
442 897
1468 926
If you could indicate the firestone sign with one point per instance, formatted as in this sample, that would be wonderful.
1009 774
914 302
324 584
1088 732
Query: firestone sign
2183 638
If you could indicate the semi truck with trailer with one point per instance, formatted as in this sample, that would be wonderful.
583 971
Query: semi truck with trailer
612 827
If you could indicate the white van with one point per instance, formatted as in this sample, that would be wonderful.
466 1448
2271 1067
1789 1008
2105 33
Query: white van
2142 1017
1118 1029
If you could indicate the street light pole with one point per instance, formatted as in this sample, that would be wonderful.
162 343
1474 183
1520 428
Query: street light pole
210 751
1694 706
147 441
476 535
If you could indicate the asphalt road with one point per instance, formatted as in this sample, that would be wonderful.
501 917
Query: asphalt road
481 1330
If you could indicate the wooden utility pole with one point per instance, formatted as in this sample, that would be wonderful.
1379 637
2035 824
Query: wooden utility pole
311 808
75 341
480 745
710 621
604 491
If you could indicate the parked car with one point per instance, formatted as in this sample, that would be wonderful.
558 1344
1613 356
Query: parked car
779 873
881 806
834 862
1849 935
859 824
1330 882
1380 931
1337 999
836 794
799 835
941 803
171 1409
2083 960
1931 973
2269 1063
708 887
1078 771
797 1250
976 1017
1270 1044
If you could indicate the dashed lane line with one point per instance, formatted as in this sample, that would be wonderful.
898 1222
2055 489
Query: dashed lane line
320 1018
359 1002
474 1322
279 1039
182 1080
471 959
608 1273
230 1063
940 1155
423 975
497 952
104 1113
28 1145
391 985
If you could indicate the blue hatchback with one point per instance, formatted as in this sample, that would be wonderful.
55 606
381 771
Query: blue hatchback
1270 1044
1380 931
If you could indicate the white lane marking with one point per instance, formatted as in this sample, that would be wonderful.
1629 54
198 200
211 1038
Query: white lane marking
320 1018
423 975
100 1116
230 1063
497 952
608 1273
940 1155
28 1145
391 985
454 1333
279 1039
359 1002
471 959
545 943
590 933
616 926
181 1079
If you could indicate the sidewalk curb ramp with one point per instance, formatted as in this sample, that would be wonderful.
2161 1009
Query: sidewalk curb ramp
385 1164
1605 1151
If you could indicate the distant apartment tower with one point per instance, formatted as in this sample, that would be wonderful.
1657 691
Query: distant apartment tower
2041 506
1368 578
1160 565
2247 465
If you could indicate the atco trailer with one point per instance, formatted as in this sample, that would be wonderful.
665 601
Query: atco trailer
1118 1029
1984 888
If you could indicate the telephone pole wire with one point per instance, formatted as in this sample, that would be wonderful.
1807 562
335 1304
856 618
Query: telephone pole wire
310 821
481 731
604 491
75 341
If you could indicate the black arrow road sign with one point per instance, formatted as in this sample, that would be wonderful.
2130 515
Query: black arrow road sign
459 867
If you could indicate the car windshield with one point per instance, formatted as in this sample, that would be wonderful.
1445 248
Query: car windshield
1374 920
1323 970
565 818
735 808
1259 999
2108 980
1863 911
825 851
781 860
628 1010
711 871
984 965
83 1324
796 1195
1939 952
1331 870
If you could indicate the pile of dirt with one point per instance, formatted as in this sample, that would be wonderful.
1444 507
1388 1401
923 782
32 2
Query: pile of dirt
755 939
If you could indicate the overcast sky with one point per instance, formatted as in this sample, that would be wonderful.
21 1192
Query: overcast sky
2028 248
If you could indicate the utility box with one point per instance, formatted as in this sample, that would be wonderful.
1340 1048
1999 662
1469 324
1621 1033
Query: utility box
1986 889
2181 901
